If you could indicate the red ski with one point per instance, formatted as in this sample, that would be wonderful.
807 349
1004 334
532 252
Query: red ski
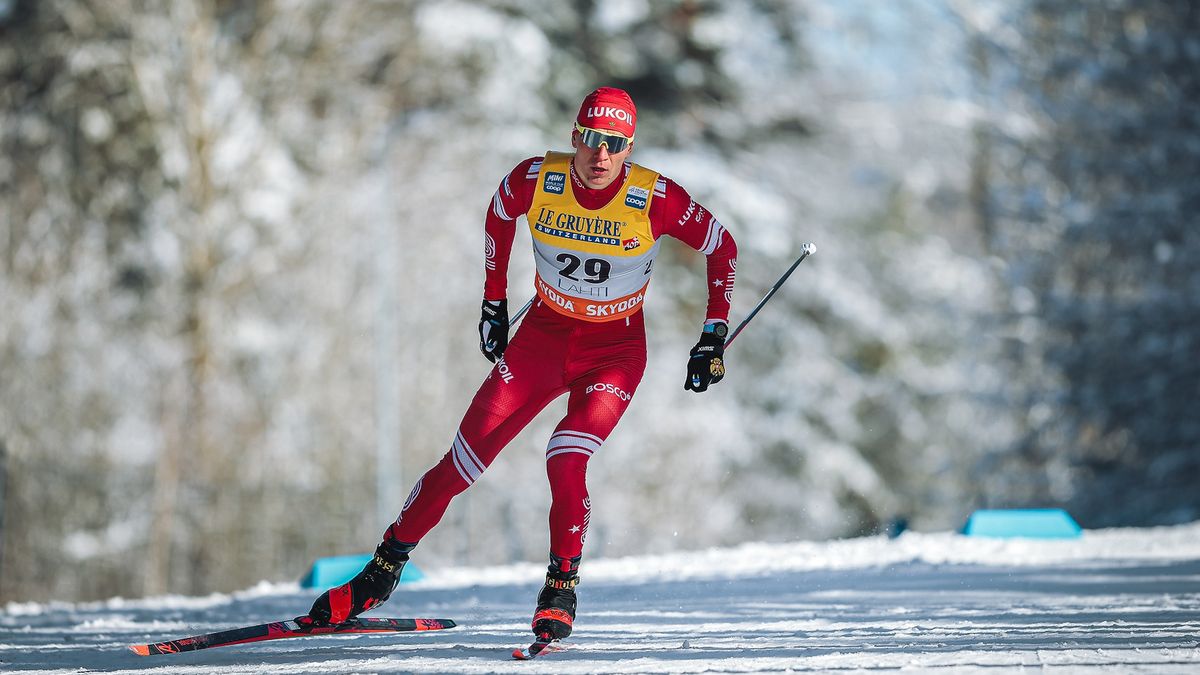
287 629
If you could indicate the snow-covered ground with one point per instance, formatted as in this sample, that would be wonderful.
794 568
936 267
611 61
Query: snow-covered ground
1114 600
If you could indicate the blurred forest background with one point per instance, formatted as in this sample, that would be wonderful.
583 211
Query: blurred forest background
241 263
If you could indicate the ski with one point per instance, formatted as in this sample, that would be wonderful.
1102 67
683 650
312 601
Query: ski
541 646
287 629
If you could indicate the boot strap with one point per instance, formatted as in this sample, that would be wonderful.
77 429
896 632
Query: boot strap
399 555
562 584
389 567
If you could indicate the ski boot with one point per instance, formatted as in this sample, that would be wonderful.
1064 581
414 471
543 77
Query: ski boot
368 588
555 611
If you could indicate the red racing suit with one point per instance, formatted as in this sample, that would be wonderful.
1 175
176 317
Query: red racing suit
584 335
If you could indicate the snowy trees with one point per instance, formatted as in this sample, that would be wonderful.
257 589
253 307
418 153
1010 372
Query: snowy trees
1096 218
240 262
152 256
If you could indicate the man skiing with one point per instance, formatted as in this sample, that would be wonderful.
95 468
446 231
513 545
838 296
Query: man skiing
596 221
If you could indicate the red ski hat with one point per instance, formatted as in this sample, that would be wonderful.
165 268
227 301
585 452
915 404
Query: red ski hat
608 109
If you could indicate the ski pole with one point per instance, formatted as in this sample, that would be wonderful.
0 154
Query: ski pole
805 251
521 313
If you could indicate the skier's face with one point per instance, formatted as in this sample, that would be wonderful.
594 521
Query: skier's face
597 167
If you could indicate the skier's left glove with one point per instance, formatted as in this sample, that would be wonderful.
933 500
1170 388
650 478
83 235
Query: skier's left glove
706 365
493 329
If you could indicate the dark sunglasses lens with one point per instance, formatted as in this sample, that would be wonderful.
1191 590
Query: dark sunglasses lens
593 139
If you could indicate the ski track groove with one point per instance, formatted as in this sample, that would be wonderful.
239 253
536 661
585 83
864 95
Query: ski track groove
1075 616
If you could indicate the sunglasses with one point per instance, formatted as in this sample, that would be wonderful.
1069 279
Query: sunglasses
594 139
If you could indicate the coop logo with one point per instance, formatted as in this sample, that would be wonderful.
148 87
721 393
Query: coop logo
604 387
635 197
554 182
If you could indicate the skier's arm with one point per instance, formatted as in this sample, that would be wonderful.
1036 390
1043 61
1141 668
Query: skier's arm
511 200
676 214
680 216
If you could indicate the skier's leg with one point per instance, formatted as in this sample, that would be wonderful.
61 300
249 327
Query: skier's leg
596 404
496 415
592 411
519 386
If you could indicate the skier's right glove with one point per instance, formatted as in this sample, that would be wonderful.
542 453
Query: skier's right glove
705 363
493 329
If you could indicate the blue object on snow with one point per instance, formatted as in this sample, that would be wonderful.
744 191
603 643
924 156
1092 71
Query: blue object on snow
337 570
1031 523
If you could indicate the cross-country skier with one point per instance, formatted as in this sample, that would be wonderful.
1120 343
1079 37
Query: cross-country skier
596 221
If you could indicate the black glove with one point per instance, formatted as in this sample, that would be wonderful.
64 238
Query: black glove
706 366
493 329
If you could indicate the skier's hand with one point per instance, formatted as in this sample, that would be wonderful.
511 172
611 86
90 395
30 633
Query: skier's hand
493 329
706 365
